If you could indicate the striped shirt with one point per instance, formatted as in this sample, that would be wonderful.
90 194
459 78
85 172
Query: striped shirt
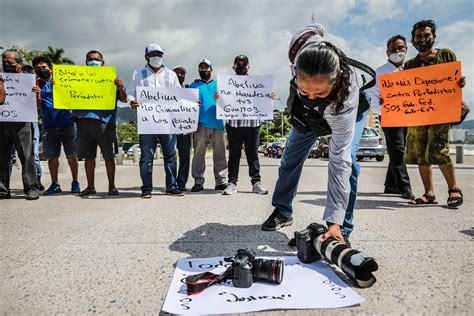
244 123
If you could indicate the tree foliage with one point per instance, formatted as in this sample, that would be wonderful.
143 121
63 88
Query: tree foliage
56 56
127 133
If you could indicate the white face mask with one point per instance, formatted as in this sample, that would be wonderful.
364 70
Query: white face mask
156 61
397 57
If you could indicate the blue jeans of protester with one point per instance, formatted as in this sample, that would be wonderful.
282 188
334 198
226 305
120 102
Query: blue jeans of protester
296 151
148 145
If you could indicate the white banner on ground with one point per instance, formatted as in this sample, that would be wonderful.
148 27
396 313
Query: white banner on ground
20 101
244 97
304 286
167 110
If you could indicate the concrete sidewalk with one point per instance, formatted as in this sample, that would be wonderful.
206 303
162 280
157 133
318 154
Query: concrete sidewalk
115 255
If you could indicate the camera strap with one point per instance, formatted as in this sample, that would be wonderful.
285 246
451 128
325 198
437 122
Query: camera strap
199 282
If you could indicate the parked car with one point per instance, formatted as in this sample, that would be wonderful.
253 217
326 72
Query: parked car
314 153
130 150
278 149
322 149
267 149
261 149
371 145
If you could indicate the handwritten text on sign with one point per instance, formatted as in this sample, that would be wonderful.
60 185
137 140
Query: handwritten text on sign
421 96
84 87
302 283
167 110
245 97
20 101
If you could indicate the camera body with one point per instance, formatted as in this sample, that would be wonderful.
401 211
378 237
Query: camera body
242 266
246 269
307 253
356 265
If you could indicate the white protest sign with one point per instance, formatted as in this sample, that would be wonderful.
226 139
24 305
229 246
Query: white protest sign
304 286
167 110
244 97
20 101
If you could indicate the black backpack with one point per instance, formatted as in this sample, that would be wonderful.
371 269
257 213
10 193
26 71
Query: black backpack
311 119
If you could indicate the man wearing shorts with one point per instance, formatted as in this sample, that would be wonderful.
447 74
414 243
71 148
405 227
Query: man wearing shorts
58 128
97 128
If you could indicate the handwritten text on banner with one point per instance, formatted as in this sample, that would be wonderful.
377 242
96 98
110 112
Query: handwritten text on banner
84 87
304 286
245 97
20 101
167 110
421 96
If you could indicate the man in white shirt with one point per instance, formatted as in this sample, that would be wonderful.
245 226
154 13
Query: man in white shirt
155 74
397 180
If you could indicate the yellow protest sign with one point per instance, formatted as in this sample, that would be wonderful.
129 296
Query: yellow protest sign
84 87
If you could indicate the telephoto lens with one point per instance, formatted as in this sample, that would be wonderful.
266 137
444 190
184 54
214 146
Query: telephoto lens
269 270
353 263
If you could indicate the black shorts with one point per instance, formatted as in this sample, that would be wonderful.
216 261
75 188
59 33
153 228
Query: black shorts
91 133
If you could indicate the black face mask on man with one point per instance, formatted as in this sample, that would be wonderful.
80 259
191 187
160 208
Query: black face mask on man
9 68
204 74
43 73
424 46
241 70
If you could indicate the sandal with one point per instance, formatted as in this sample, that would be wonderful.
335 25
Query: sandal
113 191
455 201
429 199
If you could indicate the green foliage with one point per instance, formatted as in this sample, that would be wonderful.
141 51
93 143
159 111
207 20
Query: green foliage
56 56
272 131
127 133
26 54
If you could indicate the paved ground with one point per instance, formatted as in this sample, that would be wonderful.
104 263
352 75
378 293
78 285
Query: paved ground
71 255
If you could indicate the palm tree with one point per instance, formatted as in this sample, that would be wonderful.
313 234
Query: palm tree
56 56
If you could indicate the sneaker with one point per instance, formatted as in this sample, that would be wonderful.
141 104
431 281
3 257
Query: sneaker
113 191
5 195
174 192
259 188
146 195
408 194
87 192
32 195
220 187
197 188
231 189
276 221
75 187
389 190
54 188
182 188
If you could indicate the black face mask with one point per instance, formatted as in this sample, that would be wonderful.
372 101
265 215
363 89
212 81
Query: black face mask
181 80
320 103
43 73
424 46
205 74
241 70
9 68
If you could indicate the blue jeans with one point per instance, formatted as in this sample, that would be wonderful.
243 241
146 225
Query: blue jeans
348 226
148 148
296 151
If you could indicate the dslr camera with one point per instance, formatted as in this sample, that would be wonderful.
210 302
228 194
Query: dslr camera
356 265
246 269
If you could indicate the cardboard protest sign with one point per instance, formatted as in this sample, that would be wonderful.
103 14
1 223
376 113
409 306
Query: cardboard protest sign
306 286
20 101
167 110
421 96
84 87
244 97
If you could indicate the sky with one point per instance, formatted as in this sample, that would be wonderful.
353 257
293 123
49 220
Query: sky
189 30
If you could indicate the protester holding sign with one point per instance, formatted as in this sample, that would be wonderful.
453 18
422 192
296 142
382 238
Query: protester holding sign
155 74
325 83
397 180
20 135
429 145
247 133
58 128
210 130
183 141
97 128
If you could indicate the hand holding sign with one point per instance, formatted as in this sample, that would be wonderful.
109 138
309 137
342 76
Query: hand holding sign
244 97
422 96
